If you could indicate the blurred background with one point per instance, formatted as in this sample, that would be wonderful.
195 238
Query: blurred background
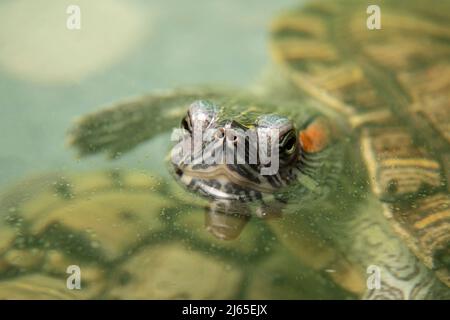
50 75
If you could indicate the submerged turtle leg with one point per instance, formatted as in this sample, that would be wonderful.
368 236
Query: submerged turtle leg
122 126
391 270
311 247
411 184
360 252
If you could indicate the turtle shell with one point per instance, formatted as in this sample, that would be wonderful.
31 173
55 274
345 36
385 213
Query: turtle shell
136 236
392 89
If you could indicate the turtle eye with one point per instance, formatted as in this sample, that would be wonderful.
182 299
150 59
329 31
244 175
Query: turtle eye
186 124
201 113
289 143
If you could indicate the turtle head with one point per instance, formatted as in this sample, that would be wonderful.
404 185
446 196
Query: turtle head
241 158
235 155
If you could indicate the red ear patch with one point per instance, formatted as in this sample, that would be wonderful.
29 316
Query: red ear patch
316 136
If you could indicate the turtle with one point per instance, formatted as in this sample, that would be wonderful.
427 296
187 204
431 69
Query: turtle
359 122
127 239
356 122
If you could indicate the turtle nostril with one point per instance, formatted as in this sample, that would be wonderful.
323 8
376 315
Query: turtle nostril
231 136
220 133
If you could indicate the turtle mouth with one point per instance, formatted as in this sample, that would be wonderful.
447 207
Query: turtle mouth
223 182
